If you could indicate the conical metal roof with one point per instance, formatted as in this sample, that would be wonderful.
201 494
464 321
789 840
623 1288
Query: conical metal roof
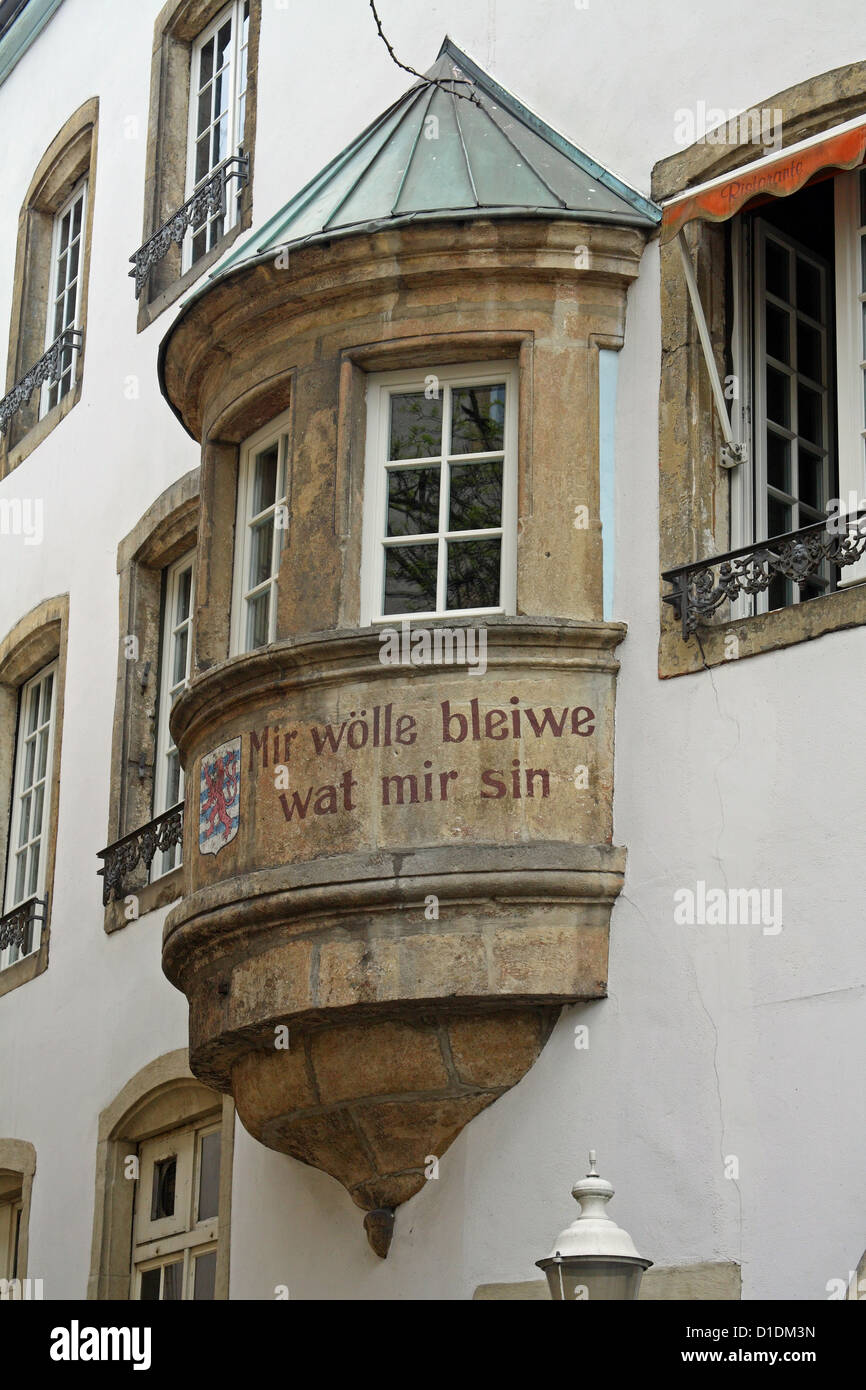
467 148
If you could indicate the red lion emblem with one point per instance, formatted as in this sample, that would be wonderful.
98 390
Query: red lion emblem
222 780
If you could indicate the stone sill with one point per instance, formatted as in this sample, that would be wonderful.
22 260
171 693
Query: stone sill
150 310
765 632
27 969
165 890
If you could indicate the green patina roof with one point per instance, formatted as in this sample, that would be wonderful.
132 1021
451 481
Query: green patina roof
495 158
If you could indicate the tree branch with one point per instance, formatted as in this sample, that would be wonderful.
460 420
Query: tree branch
446 84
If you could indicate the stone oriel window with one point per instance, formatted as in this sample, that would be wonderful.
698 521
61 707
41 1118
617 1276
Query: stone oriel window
52 267
440 503
32 677
202 109
17 1169
781 283
157 576
162 1214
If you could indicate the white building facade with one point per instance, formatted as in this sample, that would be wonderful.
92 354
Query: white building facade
717 1062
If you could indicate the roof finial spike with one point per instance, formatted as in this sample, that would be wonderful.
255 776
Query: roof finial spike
593 1169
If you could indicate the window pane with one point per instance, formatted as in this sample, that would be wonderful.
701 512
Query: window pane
778 335
36 820
184 591
33 709
778 517
33 876
224 39
810 471
410 578
29 762
20 872
477 419
778 397
413 501
24 831
220 94
809 289
261 552
778 273
473 574
476 496
171 1282
162 1197
181 641
416 427
150 1286
809 352
209 1177
172 792
265 479
258 621
76 217
810 415
203 117
205 72
219 141
202 159
205 1276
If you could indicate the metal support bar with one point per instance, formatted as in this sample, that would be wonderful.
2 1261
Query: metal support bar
732 452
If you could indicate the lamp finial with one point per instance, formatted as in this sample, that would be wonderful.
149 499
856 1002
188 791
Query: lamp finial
593 1170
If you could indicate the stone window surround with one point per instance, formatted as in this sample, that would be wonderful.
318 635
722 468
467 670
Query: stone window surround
163 1095
18 1159
70 157
254 408
694 491
177 26
36 640
167 530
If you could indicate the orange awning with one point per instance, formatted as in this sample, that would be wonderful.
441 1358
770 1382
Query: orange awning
776 176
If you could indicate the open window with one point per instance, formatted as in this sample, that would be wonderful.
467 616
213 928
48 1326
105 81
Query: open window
762 427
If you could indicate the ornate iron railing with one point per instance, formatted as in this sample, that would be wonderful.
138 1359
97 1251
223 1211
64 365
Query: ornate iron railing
699 589
139 847
16 927
209 199
50 368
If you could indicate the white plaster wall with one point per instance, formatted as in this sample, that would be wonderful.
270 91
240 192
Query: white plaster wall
713 1041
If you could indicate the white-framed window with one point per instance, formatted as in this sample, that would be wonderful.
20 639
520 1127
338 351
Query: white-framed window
176 1218
440 496
217 114
31 796
792 367
850 209
174 660
64 288
262 522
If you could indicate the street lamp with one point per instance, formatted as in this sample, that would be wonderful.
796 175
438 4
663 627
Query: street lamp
593 1258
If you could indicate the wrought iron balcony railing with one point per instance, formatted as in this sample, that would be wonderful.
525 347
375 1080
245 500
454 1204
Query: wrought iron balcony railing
208 200
139 847
699 589
16 927
50 368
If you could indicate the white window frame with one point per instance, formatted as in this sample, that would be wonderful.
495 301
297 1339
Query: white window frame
181 1234
380 387
851 349
277 432
238 78
79 191
748 522
169 689
10 954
